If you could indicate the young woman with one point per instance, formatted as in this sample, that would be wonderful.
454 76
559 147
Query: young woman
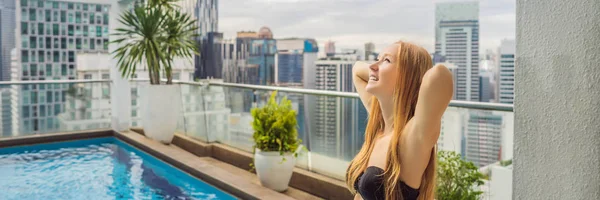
406 98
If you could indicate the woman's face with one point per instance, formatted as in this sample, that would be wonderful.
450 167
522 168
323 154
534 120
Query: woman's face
383 73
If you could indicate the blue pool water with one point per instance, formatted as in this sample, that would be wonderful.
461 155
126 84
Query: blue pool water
104 168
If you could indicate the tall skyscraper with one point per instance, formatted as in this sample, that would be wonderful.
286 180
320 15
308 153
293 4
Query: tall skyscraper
369 51
206 12
50 34
210 63
207 63
7 36
338 131
329 48
507 72
294 63
457 38
486 89
5 114
483 137
262 54
248 73
258 51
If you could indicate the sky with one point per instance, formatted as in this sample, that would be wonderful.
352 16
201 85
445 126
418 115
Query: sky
352 23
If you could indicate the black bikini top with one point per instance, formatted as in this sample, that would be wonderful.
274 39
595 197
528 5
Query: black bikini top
370 186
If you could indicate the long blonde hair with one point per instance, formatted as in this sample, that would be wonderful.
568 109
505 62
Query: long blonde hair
413 61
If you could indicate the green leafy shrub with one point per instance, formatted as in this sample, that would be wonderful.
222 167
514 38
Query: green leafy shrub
275 126
457 178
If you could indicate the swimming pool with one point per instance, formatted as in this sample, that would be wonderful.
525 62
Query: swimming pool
103 168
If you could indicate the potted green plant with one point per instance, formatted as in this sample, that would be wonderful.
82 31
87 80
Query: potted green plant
153 34
276 143
457 178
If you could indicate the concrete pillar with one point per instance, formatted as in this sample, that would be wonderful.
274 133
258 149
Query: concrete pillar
557 100
120 96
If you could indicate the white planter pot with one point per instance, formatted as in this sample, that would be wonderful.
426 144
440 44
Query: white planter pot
272 172
161 107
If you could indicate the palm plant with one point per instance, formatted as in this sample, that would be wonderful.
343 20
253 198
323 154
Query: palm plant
154 33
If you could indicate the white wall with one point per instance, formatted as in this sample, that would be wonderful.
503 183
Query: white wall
557 104
500 184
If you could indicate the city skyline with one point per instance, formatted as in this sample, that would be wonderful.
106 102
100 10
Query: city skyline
337 21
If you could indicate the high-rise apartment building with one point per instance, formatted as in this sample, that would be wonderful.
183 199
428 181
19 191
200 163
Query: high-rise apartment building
483 137
206 12
486 89
5 114
209 64
262 54
257 50
50 34
457 39
338 131
506 68
294 64
7 36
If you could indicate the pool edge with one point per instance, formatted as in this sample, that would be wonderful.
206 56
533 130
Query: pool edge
54 137
200 167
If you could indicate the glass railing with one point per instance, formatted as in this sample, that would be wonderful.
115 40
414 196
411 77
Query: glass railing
331 124
39 107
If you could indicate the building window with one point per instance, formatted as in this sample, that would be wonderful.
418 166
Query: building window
48 69
33 70
55 29
105 91
71 56
24 56
41 55
63 16
87 77
48 16
78 43
92 18
25 42
77 17
32 14
105 44
64 70
105 19
85 30
70 17
98 31
24 29
105 76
